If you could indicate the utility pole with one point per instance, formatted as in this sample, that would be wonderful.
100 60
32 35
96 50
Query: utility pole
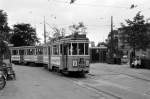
111 52
44 31
111 23
112 37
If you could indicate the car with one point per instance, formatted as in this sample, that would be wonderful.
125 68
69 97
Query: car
124 59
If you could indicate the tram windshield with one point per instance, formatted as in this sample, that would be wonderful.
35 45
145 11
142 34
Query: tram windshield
78 48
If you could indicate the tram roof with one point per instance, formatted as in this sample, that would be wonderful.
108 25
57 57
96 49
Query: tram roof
101 47
78 37
27 47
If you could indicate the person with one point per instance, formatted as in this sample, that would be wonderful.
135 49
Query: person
133 63
138 62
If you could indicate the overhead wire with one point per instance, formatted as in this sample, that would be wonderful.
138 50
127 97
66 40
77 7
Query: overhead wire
92 5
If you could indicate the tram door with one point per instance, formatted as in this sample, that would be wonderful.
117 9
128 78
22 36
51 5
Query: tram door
65 55
49 58
21 52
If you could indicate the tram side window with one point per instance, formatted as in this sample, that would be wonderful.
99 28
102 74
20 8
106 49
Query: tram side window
70 50
81 48
33 52
40 51
61 49
15 52
21 52
55 50
45 51
86 48
28 52
74 48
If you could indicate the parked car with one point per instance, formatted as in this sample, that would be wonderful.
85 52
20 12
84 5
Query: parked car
124 59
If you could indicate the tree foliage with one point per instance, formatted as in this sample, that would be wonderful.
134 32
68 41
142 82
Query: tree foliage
24 35
79 28
136 32
4 29
4 49
57 32
101 44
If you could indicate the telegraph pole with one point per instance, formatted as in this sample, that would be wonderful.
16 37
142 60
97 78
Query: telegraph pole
44 31
111 59
111 23
112 34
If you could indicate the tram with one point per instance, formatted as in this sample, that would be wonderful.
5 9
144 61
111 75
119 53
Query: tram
64 54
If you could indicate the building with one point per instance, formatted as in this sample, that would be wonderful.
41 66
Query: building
98 54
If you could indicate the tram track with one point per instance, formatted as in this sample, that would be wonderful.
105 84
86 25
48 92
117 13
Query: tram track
79 82
130 75
84 83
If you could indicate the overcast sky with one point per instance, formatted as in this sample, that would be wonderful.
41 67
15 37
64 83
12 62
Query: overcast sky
95 14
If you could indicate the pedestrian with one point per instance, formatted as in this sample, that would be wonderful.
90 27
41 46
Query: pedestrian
138 62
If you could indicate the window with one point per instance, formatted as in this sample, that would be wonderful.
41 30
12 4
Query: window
40 51
45 51
81 48
86 48
55 49
21 52
30 51
70 48
61 49
74 48
15 52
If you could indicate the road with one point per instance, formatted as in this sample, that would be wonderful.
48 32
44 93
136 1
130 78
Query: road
38 83
121 80
104 81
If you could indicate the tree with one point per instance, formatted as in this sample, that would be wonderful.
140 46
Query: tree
101 44
4 50
79 28
4 29
23 35
136 31
57 32
72 1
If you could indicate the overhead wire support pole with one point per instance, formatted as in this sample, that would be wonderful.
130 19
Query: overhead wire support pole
44 31
112 35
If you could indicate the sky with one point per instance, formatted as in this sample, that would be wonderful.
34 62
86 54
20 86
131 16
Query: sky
95 14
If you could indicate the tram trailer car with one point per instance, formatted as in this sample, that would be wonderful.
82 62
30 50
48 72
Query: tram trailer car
27 54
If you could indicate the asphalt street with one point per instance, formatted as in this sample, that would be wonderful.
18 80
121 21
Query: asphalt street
38 83
104 81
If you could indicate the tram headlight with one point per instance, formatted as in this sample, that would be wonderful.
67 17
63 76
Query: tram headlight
74 63
87 63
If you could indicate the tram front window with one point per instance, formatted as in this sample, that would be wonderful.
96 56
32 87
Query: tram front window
74 48
81 48
78 49
86 48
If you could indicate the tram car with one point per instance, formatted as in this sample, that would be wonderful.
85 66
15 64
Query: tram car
27 54
64 54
